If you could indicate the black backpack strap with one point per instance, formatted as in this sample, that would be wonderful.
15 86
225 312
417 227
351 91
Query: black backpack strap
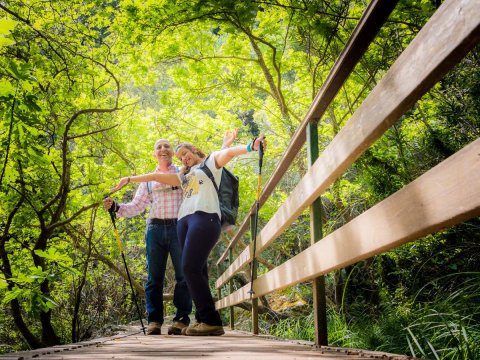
208 172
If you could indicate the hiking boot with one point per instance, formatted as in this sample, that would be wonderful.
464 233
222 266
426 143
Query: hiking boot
202 329
154 328
184 330
176 328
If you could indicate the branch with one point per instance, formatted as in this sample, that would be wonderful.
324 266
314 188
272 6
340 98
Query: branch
68 220
212 57
85 185
91 133
9 137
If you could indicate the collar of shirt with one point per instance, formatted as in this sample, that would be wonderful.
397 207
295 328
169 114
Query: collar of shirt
171 169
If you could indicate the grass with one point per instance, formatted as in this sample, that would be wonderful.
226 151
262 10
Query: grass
446 327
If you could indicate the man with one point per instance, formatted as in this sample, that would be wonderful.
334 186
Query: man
161 239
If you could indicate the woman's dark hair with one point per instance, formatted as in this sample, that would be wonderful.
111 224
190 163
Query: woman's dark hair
192 148
185 169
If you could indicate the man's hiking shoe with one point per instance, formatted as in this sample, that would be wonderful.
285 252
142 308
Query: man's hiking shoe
176 328
154 328
202 329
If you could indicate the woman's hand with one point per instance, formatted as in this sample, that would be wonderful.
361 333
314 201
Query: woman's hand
229 138
260 140
123 181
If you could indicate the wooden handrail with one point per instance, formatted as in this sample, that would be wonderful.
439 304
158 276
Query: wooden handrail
373 18
430 55
446 195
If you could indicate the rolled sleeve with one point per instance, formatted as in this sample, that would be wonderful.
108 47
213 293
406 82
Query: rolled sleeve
139 203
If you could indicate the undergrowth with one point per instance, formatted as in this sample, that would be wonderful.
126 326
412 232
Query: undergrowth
446 327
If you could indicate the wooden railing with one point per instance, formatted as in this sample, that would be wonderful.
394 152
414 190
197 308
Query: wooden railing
446 195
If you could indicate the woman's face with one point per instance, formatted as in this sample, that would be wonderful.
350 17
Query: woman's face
187 157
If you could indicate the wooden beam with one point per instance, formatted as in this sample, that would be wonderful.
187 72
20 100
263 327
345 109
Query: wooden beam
450 33
373 18
444 196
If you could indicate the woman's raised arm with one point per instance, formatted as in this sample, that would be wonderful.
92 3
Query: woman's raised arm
222 157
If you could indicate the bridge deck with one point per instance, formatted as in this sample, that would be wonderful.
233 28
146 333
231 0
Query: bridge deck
233 345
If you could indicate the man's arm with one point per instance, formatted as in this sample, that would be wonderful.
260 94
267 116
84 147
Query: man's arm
139 203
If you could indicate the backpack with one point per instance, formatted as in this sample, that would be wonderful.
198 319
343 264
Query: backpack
227 195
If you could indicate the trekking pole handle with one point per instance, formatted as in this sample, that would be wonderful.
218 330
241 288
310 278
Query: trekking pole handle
260 158
113 216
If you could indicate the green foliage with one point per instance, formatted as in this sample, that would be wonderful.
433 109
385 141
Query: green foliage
295 328
87 87
447 326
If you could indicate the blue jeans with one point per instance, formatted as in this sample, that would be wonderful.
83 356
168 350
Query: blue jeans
161 240
198 233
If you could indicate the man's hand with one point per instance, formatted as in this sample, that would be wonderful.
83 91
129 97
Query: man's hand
110 204
107 203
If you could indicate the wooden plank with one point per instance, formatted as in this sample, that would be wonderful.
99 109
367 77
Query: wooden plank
445 195
451 32
234 345
373 18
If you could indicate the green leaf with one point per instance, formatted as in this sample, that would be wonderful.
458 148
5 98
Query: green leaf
32 130
12 295
6 26
6 88
5 41
3 284
20 72
50 303
21 133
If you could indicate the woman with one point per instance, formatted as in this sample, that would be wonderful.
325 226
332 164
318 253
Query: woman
198 226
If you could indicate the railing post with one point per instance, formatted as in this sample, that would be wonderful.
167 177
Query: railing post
253 267
230 288
318 284
219 290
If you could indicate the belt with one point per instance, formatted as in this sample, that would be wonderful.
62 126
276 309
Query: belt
163 221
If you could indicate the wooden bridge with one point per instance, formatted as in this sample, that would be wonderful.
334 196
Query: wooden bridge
446 195
233 345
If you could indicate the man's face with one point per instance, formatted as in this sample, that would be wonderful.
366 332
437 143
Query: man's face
163 150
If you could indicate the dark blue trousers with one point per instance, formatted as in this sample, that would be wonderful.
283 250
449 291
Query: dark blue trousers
161 240
198 233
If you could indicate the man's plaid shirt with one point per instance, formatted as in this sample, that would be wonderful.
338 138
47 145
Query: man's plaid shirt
164 201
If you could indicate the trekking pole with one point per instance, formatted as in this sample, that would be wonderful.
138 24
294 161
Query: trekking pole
120 246
257 208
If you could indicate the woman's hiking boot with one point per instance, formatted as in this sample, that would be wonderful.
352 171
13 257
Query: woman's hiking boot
202 329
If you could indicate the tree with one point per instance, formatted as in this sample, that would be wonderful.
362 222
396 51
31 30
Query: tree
58 91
